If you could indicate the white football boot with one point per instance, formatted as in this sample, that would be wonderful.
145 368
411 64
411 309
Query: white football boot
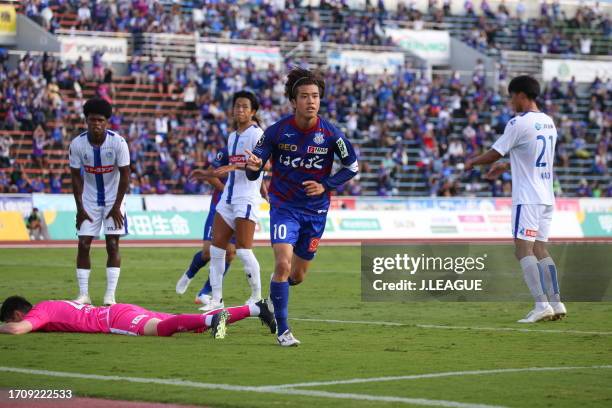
212 305
539 314
287 339
182 284
83 299
559 309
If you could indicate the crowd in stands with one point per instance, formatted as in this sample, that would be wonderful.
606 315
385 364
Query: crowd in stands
284 20
445 119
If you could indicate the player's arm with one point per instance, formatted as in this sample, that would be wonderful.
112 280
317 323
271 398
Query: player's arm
257 159
77 187
263 190
21 327
123 163
350 167
499 149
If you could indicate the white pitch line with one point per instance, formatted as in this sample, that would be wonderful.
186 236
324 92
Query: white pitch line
435 375
434 326
258 389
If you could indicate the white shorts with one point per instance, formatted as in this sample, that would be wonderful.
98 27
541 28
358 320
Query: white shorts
98 216
230 212
531 222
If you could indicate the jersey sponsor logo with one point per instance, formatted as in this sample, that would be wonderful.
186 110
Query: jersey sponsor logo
288 147
343 150
317 150
138 319
318 139
540 126
219 156
288 135
512 122
237 159
528 232
99 169
297 162
85 157
314 244
109 154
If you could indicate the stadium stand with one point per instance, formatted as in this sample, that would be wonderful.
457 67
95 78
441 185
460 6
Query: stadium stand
412 132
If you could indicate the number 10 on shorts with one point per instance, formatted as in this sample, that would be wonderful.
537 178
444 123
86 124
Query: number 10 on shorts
279 231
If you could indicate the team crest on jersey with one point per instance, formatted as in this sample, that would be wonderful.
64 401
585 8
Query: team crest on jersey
512 122
318 139
260 142
109 155
85 157
219 156
538 126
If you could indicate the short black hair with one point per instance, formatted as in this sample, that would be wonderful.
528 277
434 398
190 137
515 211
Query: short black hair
302 76
98 106
12 304
525 84
247 95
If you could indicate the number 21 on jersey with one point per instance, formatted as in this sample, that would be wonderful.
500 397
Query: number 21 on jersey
540 162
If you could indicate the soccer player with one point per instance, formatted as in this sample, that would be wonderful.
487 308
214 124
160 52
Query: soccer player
237 208
99 165
530 140
201 258
301 147
70 316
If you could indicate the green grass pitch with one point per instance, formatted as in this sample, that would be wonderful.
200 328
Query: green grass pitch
330 351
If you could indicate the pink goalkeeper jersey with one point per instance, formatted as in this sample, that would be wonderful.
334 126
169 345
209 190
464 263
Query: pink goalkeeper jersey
68 316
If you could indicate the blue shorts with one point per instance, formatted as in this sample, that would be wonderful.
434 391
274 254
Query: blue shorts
299 229
208 226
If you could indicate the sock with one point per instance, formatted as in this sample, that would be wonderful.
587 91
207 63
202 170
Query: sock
197 263
549 271
206 289
112 277
180 323
217 262
279 293
251 270
83 280
533 279
236 313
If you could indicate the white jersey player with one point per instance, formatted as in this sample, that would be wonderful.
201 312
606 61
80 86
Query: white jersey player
99 164
237 208
530 139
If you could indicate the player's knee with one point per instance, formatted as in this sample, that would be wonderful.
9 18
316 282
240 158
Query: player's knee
282 268
296 279
112 247
84 245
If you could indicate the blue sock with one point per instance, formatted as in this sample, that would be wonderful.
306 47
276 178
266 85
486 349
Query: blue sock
279 293
197 263
207 289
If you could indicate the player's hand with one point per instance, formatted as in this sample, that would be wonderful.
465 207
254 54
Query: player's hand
223 170
313 188
253 162
199 175
115 213
81 216
496 170
469 165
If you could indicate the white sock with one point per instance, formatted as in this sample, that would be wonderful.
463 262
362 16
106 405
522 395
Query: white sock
531 274
217 267
112 278
208 320
549 271
251 270
253 309
83 280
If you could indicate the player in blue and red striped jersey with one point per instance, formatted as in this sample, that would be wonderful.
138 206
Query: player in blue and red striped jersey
301 148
